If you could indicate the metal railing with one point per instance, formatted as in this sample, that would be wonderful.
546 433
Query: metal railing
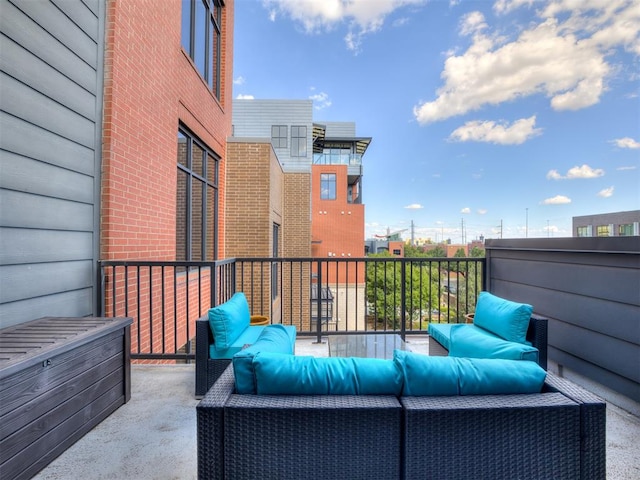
355 295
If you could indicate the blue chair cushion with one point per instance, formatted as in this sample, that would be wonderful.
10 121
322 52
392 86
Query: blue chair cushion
278 374
441 332
473 342
424 375
228 320
504 318
273 339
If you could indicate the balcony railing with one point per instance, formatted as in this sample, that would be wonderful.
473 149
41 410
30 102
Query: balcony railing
365 295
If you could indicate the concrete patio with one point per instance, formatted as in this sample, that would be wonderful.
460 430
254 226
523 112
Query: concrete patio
154 435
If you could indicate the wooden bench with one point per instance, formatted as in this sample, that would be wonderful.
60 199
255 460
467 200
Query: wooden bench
59 378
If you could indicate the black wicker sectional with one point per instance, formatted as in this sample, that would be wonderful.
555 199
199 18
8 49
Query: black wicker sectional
556 434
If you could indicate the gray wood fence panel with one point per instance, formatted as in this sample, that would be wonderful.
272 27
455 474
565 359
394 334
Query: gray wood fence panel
54 21
45 146
77 303
24 245
27 33
33 176
20 63
590 290
22 101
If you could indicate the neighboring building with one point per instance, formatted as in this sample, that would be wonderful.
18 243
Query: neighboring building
322 168
619 224
115 116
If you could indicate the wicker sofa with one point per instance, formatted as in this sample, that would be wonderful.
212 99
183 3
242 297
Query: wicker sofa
559 433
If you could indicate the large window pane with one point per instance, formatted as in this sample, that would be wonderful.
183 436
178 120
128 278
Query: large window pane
185 37
198 158
181 216
328 186
196 220
200 38
212 208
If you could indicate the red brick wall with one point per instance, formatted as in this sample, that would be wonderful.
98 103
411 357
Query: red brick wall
150 86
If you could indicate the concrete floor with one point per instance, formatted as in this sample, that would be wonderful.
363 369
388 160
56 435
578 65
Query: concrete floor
154 435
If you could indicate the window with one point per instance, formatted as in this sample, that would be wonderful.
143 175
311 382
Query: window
279 136
196 200
625 230
327 186
200 38
299 141
602 230
584 231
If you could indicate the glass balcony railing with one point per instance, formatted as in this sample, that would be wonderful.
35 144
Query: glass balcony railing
337 159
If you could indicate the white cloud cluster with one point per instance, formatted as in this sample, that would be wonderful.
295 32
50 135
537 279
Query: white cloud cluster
414 206
499 133
241 96
585 171
362 16
606 192
557 200
626 142
320 100
563 56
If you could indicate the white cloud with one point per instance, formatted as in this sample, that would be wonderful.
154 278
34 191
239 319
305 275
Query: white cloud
482 211
362 17
506 6
321 100
606 192
630 167
465 210
563 58
241 96
585 171
239 80
499 133
471 23
626 142
414 206
557 200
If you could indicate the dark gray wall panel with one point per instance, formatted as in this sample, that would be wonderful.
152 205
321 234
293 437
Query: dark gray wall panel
25 32
17 283
22 101
20 63
54 21
33 211
24 245
77 303
45 146
32 176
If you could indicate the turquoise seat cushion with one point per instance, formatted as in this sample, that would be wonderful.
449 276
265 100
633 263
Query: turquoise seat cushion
471 341
278 374
506 319
273 339
248 337
448 376
228 320
441 332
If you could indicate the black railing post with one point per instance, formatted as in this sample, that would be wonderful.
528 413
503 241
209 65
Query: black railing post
403 298
319 303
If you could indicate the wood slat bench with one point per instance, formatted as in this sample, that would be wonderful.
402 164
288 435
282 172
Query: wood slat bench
59 378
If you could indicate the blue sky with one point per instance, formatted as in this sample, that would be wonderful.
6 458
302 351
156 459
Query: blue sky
487 117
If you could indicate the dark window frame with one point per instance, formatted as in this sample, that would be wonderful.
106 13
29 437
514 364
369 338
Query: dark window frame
280 139
204 175
328 179
298 140
211 11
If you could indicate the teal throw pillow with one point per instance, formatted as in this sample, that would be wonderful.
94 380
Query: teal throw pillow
424 375
273 339
278 374
473 342
228 320
504 318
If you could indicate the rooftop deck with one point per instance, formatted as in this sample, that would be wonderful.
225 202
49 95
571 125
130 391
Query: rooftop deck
154 435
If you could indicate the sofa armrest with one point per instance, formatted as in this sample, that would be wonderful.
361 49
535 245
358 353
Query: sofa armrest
537 334
204 338
210 427
592 425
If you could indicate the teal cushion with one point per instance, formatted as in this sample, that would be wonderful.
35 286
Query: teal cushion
441 332
483 376
278 374
248 337
229 320
506 319
474 342
424 375
273 339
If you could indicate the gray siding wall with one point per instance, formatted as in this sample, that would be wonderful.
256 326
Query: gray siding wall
340 129
254 118
589 288
50 139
